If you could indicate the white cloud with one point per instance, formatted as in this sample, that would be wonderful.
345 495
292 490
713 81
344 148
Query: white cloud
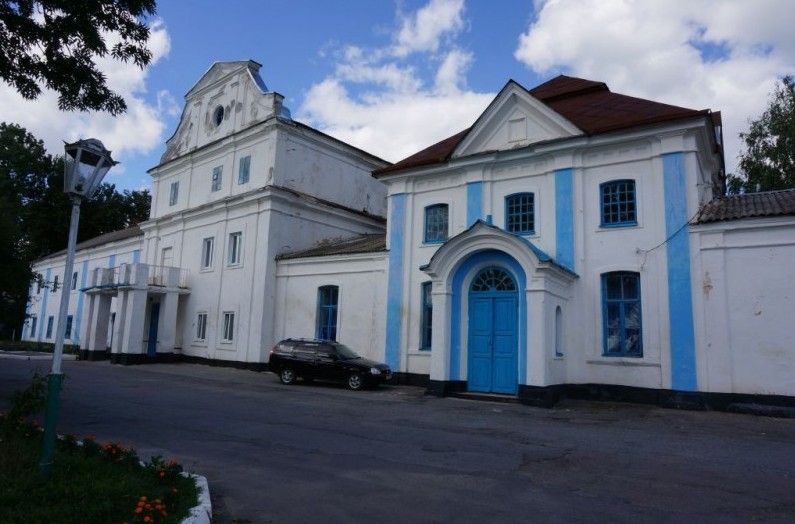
424 29
653 49
139 130
377 101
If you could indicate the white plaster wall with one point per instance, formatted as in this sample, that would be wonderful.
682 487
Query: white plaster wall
361 311
637 156
312 163
97 257
744 299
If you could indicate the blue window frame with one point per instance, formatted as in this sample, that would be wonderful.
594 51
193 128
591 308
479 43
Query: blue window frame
327 299
49 327
426 319
520 213
243 172
436 223
618 203
621 312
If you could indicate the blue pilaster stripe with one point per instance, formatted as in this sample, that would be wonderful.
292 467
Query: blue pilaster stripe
112 261
80 293
564 218
43 310
136 256
680 304
394 299
474 202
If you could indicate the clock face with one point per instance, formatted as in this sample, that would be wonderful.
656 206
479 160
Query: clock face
218 115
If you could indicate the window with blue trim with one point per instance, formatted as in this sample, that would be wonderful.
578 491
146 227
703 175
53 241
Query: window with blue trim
618 203
436 223
426 320
327 299
621 311
520 213
68 332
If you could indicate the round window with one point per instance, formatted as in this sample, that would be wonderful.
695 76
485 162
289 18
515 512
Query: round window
218 115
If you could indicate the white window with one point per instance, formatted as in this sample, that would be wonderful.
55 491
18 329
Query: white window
229 326
217 172
201 326
174 194
235 248
207 252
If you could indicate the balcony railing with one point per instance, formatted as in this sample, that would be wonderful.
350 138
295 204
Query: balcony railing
159 276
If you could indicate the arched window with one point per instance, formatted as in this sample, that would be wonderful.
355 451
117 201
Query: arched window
520 213
621 312
558 332
327 299
618 203
436 223
493 279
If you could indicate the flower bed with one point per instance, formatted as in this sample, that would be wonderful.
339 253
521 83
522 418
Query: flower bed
91 482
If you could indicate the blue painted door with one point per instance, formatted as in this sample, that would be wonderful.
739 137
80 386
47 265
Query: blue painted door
492 342
154 316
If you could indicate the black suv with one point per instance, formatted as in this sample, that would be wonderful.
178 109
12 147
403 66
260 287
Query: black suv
325 360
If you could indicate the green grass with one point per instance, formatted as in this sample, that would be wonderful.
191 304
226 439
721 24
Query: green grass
89 484
43 347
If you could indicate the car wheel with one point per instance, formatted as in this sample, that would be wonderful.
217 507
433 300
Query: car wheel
287 376
355 381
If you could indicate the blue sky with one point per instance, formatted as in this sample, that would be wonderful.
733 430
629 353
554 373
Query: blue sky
393 77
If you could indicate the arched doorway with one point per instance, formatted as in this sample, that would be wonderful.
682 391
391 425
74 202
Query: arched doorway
492 332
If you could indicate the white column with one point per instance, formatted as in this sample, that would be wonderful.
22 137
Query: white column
536 338
440 336
118 325
167 324
99 322
134 315
87 328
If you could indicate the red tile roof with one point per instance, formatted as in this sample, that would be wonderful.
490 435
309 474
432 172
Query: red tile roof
589 105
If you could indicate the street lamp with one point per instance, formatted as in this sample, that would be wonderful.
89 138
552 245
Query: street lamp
86 163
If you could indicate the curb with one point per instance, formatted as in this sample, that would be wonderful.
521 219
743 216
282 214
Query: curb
203 512
27 356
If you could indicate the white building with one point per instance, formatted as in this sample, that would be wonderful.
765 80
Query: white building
572 241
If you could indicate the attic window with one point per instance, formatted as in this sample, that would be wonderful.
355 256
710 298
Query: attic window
218 115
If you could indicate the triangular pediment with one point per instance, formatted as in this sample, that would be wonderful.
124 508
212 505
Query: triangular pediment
514 119
220 70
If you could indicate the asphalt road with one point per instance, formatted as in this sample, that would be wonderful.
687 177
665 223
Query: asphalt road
319 453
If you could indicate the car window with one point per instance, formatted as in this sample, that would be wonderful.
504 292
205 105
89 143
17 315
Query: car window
346 353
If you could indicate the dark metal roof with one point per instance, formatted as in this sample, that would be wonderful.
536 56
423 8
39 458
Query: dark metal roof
371 243
748 205
589 105
113 236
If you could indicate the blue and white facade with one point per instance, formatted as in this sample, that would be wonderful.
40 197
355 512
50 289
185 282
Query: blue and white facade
534 259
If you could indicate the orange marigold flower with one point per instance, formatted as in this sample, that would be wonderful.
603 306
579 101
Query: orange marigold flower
147 519
141 503
139 509
143 497
162 474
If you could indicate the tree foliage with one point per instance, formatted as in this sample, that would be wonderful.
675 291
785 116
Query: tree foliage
768 161
55 43
34 215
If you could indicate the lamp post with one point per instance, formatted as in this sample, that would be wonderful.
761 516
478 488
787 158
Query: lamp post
86 162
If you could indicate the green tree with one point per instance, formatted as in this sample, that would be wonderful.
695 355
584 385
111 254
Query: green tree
34 215
768 161
55 43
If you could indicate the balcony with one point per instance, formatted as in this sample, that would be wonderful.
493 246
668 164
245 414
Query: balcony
154 278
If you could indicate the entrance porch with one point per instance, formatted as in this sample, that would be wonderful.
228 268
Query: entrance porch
143 326
498 306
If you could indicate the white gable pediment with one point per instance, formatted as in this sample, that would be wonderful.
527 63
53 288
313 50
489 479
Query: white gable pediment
514 119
